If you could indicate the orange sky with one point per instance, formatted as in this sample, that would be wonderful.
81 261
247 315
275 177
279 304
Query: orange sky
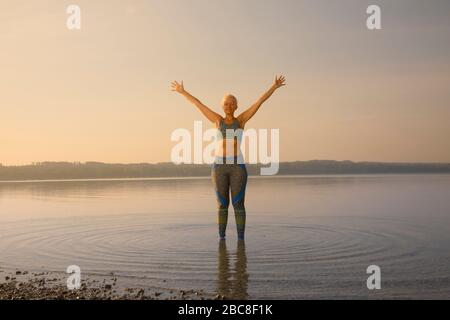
103 93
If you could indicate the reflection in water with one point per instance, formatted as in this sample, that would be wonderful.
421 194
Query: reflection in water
153 232
232 284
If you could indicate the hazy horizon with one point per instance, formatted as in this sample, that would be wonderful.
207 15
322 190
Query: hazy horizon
103 93
165 162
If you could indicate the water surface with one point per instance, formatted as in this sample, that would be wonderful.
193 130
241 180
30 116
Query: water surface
307 236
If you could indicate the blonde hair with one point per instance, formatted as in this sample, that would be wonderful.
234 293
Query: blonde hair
229 95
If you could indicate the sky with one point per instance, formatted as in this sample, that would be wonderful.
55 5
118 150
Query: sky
102 93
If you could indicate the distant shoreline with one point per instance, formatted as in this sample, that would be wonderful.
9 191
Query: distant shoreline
208 177
98 171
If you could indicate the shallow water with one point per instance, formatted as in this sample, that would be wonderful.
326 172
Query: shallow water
306 237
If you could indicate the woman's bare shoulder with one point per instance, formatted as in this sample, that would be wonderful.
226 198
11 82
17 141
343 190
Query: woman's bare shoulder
218 122
241 123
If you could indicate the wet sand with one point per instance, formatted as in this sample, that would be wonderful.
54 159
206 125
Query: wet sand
24 285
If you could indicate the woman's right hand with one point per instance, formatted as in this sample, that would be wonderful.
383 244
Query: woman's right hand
178 87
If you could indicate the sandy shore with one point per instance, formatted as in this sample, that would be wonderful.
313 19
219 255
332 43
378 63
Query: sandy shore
24 285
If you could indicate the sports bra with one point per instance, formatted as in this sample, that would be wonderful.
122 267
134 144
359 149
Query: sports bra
234 130
225 133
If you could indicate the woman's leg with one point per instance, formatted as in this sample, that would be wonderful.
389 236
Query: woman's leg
238 183
221 180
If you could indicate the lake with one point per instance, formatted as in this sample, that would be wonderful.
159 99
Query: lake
307 237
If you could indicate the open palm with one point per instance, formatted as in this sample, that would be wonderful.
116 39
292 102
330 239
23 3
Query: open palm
178 87
279 82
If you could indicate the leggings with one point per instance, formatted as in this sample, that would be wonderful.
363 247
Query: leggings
228 177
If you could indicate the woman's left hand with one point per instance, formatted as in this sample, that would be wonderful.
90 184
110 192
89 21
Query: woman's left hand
279 82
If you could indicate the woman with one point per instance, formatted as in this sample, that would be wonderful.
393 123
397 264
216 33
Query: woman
229 172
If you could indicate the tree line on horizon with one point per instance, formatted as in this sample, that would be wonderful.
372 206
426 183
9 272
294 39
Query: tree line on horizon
99 170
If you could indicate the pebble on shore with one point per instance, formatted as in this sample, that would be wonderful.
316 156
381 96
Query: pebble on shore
39 286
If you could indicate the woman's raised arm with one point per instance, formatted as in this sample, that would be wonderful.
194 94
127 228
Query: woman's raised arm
207 112
250 112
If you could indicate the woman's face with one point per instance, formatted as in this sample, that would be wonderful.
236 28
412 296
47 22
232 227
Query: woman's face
229 105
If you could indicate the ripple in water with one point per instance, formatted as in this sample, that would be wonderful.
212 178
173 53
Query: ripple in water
322 257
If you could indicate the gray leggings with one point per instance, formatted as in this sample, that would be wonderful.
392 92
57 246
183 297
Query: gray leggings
228 177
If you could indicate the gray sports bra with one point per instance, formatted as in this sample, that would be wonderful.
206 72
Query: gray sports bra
234 130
